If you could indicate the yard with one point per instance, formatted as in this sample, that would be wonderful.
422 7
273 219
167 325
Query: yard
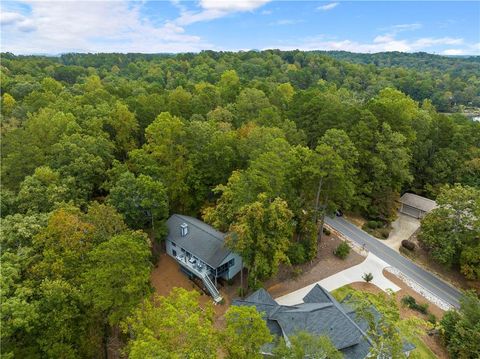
291 278
167 275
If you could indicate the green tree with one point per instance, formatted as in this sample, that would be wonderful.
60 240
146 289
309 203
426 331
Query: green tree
249 104
229 86
42 190
451 231
461 329
8 104
59 327
305 345
118 275
124 127
261 236
142 200
175 326
164 157
245 333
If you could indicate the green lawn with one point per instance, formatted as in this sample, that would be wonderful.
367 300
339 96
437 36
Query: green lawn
421 351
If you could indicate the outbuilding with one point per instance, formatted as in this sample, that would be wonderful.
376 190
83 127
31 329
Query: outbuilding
416 206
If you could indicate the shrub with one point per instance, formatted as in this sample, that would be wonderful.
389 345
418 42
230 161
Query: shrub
384 232
296 254
408 301
342 250
432 318
367 277
408 244
411 303
374 224
326 231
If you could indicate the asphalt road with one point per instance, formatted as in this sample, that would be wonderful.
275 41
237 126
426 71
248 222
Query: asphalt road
426 279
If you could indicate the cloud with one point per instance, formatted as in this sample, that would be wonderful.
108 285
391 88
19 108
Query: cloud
94 26
380 43
395 29
10 18
453 52
285 22
17 21
327 7
214 9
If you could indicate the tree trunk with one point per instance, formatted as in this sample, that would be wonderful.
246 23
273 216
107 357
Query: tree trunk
241 277
317 199
322 222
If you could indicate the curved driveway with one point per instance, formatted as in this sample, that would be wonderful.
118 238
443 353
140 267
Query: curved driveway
427 280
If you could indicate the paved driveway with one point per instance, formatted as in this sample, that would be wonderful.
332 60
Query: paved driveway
403 227
409 269
371 264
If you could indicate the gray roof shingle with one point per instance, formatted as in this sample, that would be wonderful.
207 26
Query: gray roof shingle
320 314
202 240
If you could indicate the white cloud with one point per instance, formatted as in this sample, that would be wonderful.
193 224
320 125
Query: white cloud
10 18
453 52
395 29
328 6
94 26
214 9
379 44
232 5
286 22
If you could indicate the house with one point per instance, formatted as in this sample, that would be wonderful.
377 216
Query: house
416 206
200 250
319 314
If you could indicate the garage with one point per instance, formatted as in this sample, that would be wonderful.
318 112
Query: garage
416 206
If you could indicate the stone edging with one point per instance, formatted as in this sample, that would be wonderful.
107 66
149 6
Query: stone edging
354 245
419 289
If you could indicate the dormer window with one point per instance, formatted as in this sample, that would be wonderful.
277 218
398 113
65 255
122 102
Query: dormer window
183 229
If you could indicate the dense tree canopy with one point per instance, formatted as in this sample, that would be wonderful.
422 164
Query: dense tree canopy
262 144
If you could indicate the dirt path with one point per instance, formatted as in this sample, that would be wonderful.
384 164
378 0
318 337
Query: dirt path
325 265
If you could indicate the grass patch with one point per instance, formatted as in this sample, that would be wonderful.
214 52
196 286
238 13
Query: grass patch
342 292
421 351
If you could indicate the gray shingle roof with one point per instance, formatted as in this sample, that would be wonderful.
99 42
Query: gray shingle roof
320 314
202 240
419 202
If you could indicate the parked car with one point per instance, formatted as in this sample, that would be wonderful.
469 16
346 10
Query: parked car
339 213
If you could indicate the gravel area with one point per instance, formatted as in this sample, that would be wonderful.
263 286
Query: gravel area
419 289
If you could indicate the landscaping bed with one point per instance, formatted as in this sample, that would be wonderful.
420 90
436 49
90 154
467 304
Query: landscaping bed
291 278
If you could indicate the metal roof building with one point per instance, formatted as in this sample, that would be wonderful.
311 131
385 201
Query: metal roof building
416 206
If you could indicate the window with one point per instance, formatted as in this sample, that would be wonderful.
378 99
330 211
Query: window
173 244
231 262
174 252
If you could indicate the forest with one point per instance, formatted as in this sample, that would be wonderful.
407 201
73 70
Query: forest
99 149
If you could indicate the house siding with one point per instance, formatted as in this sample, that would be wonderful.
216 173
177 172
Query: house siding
232 271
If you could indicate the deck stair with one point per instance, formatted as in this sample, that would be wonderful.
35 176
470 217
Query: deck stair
203 275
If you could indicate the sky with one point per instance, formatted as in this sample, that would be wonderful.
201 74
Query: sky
54 27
